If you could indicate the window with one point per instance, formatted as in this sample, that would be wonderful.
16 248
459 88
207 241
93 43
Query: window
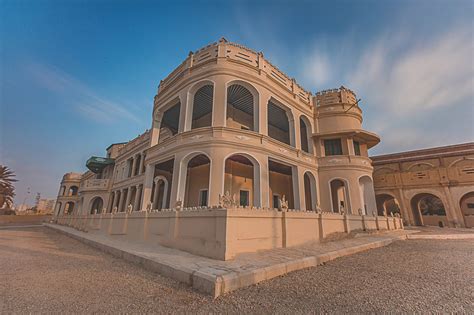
356 148
203 198
276 201
470 205
244 198
332 147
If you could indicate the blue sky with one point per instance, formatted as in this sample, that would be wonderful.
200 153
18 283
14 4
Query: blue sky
76 76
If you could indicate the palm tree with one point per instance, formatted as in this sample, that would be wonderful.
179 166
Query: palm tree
7 190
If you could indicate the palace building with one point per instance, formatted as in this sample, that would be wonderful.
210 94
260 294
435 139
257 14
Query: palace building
429 187
226 122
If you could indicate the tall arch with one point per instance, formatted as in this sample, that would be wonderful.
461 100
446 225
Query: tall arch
196 192
69 207
339 189
280 122
73 190
58 208
306 134
169 125
242 179
310 191
387 204
428 209
467 208
242 107
96 205
160 192
367 195
203 101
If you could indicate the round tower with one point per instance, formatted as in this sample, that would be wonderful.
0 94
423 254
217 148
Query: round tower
342 147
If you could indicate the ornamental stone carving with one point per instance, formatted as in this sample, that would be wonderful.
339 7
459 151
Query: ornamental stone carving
227 201
283 204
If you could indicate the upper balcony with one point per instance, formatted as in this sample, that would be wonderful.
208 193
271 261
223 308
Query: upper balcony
96 185
236 54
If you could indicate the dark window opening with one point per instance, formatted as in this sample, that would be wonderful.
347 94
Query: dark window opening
332 147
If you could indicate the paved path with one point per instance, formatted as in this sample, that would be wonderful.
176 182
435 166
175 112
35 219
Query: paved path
44 271
217 277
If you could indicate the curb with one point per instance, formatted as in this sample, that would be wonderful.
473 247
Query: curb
218 285
441 237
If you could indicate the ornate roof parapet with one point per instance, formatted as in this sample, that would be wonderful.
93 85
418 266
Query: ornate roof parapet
144 137
240 54
334 96
72 176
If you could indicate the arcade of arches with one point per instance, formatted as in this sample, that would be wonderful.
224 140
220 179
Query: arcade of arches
428 187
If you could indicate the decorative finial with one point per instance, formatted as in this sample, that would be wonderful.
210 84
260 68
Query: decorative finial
222 40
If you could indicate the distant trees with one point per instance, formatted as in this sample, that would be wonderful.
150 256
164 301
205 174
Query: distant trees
7 190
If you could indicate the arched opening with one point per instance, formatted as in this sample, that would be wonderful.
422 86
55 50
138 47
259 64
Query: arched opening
62 191
162 182
467 208
387 204
197 182
138 160
428 209
202 107
73 190
305 135
96 205
310 191
160 193
69 207
280 184
240 108
241 178
278 123
170 122
367 194
339 196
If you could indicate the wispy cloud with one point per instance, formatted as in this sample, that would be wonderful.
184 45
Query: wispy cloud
77 94
410 85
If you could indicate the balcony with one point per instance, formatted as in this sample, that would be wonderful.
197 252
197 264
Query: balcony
96 184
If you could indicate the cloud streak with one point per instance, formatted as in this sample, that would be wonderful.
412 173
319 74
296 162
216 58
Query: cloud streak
416 91
77 94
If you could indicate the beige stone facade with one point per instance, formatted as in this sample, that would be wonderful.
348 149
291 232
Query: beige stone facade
227 120
429 187
231 131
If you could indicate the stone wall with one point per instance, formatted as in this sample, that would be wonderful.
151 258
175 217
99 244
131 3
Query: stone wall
224 233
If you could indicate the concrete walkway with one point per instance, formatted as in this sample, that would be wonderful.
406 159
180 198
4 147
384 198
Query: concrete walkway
217 277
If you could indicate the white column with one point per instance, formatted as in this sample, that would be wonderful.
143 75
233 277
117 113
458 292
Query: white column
264 183
148 186
296 128
155 194
136 206
219 104
175 182
298 187
134 164
263 113
216 178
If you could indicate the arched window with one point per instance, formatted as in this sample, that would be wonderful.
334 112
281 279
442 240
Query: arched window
278 123
280 183
339 196
73 190
387 204
310 191
240 108
96 205
425 205
69 207
305 135
242 179
197 181
170 122
202 107
367 195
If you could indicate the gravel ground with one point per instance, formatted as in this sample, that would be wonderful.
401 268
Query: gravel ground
44 271
433 230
